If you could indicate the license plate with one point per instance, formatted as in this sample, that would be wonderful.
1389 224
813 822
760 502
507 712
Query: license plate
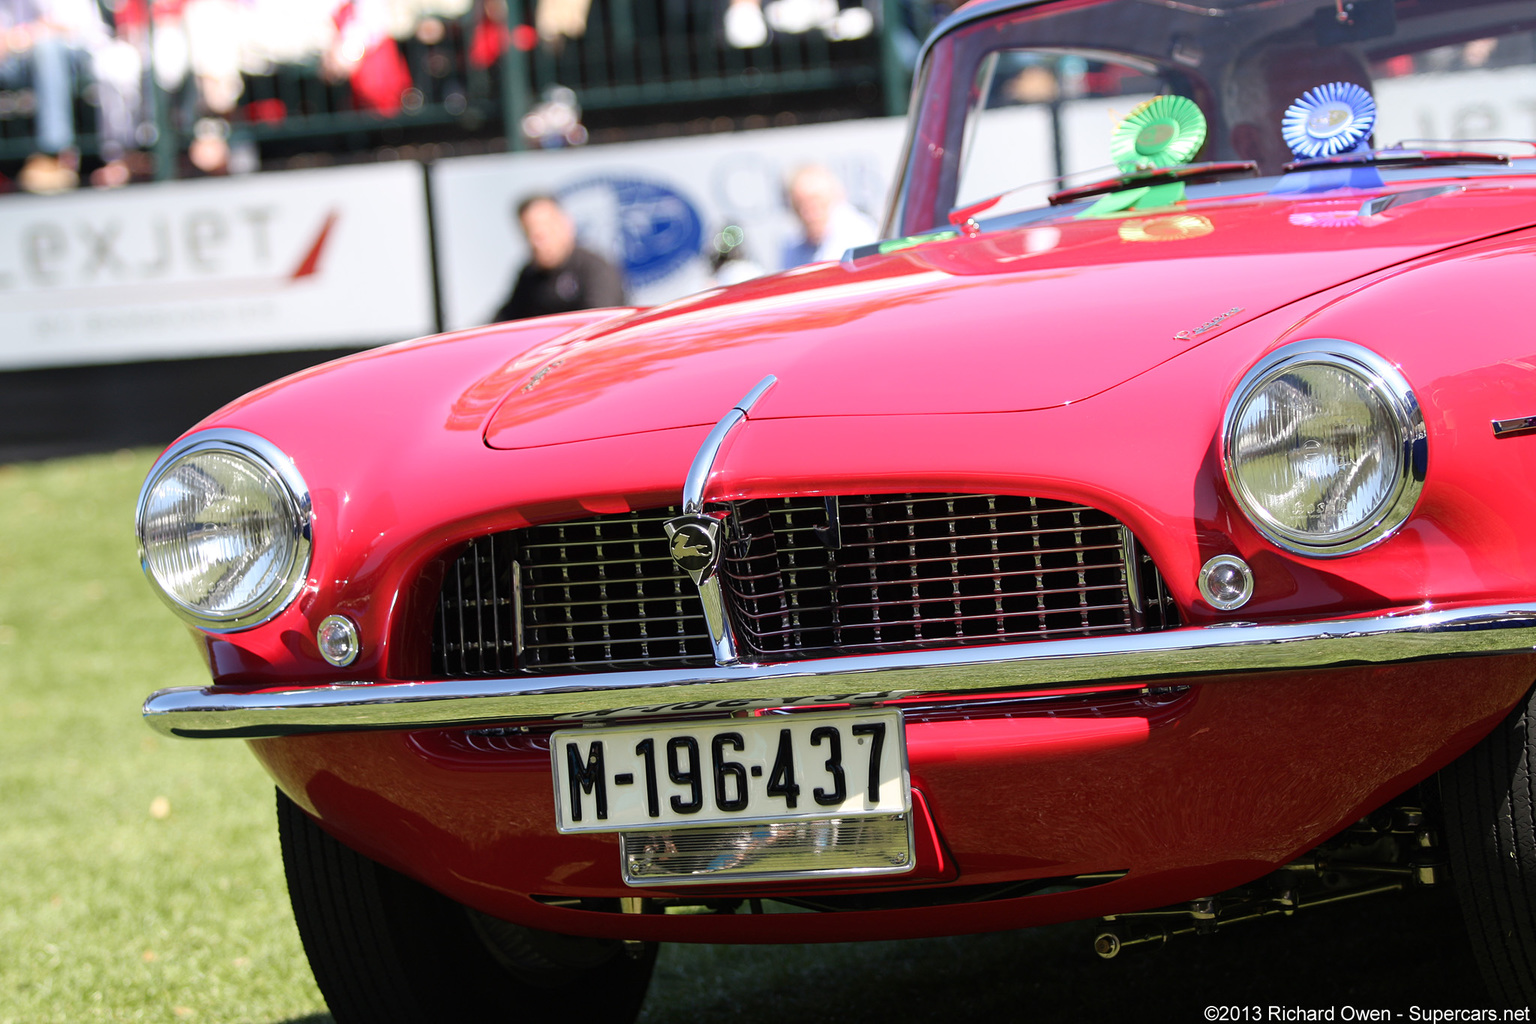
775 768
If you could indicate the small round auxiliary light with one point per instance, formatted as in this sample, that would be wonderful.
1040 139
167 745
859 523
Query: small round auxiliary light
338 642
1226 582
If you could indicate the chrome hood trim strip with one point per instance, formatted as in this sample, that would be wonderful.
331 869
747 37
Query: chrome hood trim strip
705 530
697 479
1176 654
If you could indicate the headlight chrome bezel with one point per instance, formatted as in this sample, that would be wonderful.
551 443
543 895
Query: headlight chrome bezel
279 468
1385 383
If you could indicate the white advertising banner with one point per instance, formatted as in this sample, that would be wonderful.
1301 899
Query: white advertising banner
1480 103
302 259
342 257
650 207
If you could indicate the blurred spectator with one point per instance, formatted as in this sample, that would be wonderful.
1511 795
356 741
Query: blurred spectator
744 25
560 276
215 32
365 53
61 57
55 38
556 121
747 22
491 35
209 149
558 20
118 67
830 224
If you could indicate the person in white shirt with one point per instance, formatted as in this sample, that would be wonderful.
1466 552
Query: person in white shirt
831 224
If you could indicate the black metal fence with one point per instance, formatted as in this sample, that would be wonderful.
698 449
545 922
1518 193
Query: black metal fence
637 63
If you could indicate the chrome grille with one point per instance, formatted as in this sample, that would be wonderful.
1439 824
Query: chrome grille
586 595
811 576
804 577
476 629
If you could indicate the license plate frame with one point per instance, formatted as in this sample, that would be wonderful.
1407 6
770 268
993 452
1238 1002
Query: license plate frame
729 770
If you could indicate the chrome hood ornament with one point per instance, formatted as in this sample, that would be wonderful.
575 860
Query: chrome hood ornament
694 538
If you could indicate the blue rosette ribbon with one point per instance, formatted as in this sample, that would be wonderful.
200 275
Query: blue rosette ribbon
1329 120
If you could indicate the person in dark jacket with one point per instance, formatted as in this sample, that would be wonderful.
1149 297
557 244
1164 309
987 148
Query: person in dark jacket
560 276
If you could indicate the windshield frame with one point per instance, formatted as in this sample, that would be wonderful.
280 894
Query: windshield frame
944 95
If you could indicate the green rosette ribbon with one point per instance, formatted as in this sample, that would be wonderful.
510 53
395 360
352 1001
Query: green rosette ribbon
1165 131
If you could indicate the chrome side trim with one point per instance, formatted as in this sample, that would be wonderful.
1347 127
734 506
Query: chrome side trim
1185 653
1515 427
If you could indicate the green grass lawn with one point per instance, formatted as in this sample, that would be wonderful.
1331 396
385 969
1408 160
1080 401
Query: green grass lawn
141 877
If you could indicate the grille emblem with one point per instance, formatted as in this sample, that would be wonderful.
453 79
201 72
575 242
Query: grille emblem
695 545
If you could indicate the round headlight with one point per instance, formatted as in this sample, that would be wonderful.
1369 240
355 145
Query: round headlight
224 529
1324 447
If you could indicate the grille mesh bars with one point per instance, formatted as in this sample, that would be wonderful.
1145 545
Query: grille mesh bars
923 570
805 577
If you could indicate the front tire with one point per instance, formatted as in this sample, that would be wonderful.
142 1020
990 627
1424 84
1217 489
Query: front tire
1489 802
385 948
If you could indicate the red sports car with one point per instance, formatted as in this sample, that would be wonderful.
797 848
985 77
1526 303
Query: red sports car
1152 542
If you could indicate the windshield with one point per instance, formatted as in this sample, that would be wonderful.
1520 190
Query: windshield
1018 93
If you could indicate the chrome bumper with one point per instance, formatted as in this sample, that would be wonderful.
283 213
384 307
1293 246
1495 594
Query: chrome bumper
1176 654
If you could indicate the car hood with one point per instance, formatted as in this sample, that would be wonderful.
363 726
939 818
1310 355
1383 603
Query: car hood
1011 320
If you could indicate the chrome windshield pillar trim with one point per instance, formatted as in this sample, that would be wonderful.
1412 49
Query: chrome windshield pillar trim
1186 653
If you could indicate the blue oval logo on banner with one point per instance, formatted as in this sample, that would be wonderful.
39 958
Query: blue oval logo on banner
658 229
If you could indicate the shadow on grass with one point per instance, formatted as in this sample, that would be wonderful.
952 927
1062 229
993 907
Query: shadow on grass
1386 953
1391 953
